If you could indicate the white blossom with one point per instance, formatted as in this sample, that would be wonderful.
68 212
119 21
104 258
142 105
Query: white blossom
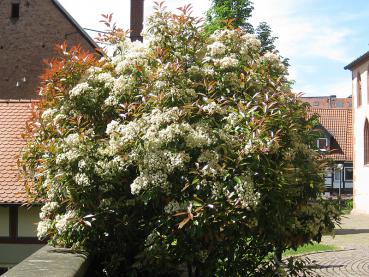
79 89
48 114
82 179
217 48
172 207
43 227
47 209
226 62
61 221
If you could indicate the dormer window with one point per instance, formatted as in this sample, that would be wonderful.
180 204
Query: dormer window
322 144
15 11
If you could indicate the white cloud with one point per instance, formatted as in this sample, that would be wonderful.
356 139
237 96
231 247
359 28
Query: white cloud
301 34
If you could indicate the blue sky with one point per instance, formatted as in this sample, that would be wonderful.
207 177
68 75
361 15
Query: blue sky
319 37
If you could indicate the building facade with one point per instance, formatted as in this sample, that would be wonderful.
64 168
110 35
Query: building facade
335 139
18 221
29 31
328 102
360 105
335 142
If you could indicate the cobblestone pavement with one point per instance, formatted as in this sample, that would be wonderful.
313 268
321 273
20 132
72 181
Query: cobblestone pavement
352 258
345 263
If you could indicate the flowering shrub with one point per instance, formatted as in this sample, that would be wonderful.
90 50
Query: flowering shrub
186 150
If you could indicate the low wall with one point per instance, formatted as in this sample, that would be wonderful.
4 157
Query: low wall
51 261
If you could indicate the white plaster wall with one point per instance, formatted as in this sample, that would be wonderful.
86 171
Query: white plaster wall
27 221
361 172
12 254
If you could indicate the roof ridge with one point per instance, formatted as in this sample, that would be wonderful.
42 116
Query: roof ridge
19 100
71 19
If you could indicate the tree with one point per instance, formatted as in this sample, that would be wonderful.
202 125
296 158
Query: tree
236 13
239 11
184 152
264 34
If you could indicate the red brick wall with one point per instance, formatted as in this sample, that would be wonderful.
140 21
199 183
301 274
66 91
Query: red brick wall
327 102
25 42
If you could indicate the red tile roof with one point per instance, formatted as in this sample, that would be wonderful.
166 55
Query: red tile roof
13 117
338 122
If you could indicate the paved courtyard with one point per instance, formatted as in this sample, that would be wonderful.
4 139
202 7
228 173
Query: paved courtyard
352 257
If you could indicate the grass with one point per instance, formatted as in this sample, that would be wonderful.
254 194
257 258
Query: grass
343 205
309 248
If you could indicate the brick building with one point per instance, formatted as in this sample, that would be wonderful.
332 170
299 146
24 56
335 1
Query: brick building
335 142
29 30
328 102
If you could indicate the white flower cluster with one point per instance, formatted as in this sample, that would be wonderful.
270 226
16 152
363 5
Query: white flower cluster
210 158
224 35
245 191
47 209
271 57
82 179
48 114
227 62
79 89
134 54
155 166
251 42
213 108
274 60
172 207
105 78
43 228
217 48
62 221
72 140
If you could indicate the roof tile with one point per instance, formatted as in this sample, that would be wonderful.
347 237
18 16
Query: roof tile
338 122
13 117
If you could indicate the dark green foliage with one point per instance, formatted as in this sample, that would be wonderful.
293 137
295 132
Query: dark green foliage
239 11
264 34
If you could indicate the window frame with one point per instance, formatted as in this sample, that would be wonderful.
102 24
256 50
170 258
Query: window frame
13 229
337 173
344 176
15 11
326 144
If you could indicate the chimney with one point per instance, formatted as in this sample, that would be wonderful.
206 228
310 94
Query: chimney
137 14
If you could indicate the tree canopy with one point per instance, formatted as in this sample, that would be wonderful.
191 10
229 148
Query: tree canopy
186 153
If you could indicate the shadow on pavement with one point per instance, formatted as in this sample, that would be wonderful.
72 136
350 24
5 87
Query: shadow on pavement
351 231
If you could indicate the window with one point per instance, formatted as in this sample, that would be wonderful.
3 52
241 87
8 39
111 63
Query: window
358 89
322 144
349 174
15 11
315 104
366 142
27 221
19 224
337 175
339 104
